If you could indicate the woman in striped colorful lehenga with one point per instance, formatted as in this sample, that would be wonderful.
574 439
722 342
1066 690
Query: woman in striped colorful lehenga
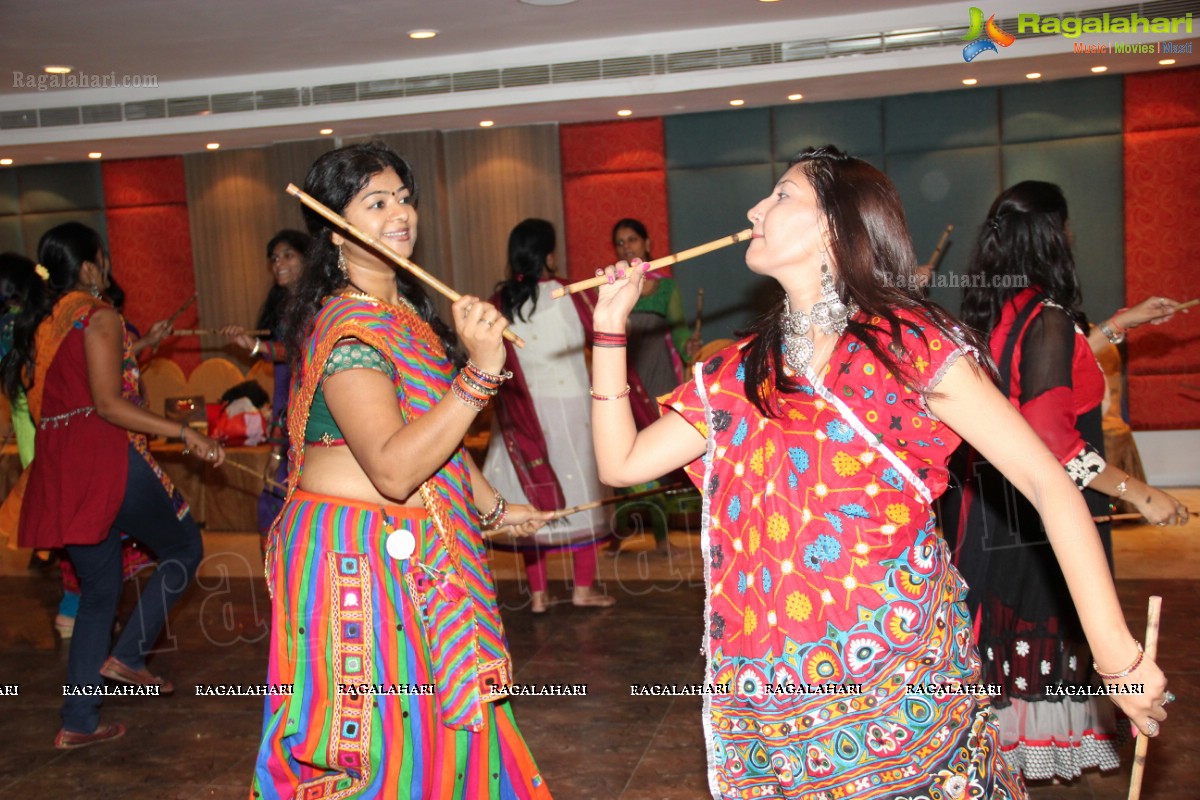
384 615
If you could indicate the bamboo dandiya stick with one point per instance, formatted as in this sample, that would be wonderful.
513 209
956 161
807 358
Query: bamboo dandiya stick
941 245
1129 516
383 250
1153 612
1188 304
566 512
658 263
699 309
212 331
186 304
268 481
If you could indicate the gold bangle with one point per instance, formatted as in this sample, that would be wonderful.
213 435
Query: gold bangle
1112 676
623 393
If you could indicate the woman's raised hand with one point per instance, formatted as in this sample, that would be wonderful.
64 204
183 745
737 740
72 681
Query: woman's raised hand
618 297
480 327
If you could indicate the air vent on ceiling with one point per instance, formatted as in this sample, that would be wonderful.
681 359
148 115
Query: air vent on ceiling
865 43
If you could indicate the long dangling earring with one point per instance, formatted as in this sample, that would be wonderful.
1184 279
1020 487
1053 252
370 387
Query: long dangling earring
830 314
342 264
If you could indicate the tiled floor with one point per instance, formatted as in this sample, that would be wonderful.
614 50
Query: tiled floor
608 745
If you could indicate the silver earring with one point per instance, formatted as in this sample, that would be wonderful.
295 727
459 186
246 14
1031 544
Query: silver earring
342 264
830 314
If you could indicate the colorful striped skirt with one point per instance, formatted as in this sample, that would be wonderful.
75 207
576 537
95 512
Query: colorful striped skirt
363 718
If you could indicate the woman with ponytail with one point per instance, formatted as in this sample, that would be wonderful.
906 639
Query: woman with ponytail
93 476
547 393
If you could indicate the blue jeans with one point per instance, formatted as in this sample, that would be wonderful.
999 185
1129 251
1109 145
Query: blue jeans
147 515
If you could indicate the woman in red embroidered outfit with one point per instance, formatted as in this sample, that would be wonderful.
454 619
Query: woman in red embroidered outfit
93 476
378 572
1024 295
546 394
829 593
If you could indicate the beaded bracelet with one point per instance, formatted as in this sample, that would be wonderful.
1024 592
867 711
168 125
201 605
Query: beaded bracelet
623 393
1112 676
493 379
495 518
603 339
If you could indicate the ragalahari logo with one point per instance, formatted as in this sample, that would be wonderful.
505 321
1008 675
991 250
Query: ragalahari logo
991 33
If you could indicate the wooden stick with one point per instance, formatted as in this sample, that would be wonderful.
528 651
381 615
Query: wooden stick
186 304
658 263
383 250
1133 515
268 481
699 309
566 512
1143 742
937 251
212 331
1188 304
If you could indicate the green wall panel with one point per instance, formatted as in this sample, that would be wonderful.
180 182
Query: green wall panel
1090 172
10 235
60 187
9 194
941 120
1061 109
704 205
946 187
718 138
855 126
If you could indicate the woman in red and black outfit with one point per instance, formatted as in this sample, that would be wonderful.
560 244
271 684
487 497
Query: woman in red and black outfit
1024 296
93 476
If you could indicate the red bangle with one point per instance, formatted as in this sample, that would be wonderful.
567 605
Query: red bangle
604 339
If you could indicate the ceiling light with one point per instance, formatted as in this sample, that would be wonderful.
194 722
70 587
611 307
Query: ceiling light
95 155
57 69
1166 62
1033 76
422 33
4 162
768 1
326 131
970 81
624 112
796 96
737 102
1099 69
213 145
487 123
547 2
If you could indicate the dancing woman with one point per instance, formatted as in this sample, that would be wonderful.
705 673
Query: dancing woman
93 477
820 442
1024 297
376 563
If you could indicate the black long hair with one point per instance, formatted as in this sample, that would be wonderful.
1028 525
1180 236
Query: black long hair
874 256
270 316
16 277
530 244
334 179
62 251
1023 242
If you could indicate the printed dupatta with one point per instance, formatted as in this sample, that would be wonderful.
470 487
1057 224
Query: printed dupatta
471 664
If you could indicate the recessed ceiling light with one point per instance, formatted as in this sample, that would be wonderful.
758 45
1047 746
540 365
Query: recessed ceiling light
95 155
4 162
796 96
768 1
487 123
547 2
970 81
213 145
1100 69
57 69
422 33
1166 62
625 112
1033 76
737 102
326 131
